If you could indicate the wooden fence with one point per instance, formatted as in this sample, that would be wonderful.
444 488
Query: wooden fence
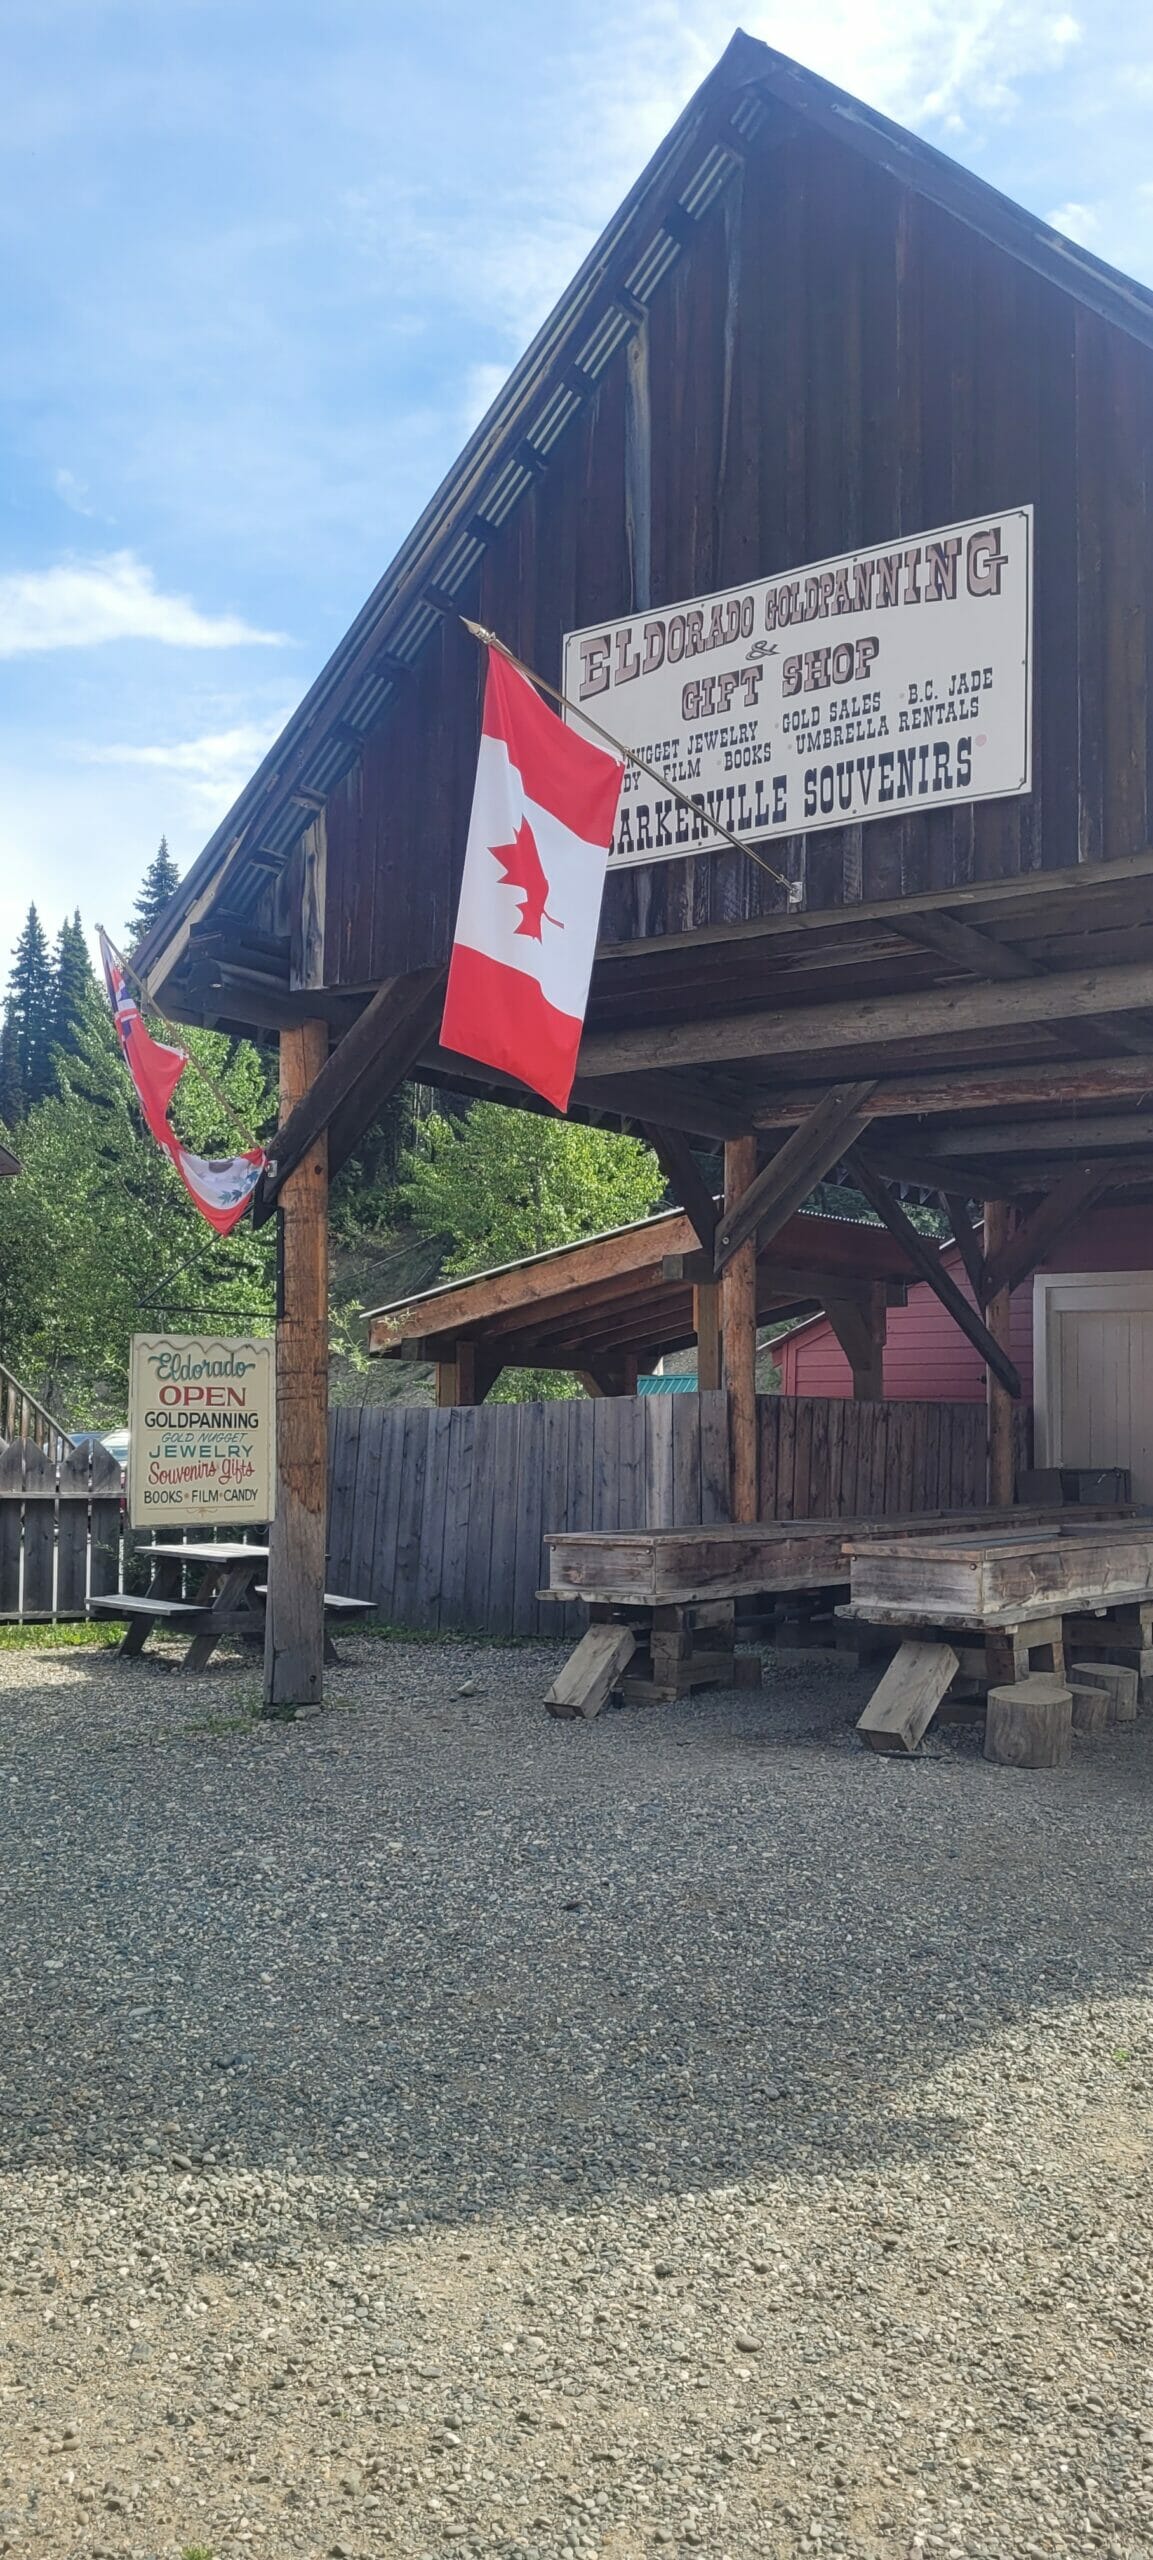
60 1529
439 1516
22 1417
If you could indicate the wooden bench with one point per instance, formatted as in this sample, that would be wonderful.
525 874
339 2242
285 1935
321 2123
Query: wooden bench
667 1596
1016 1588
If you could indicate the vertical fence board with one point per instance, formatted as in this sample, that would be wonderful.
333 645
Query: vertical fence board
39 1532
659 1463
458 1504
504 1421
429 1581
528 1566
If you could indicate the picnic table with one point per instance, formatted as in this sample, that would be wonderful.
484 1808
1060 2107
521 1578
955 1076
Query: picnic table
229 1599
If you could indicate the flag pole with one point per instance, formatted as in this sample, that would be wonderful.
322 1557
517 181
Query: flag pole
489 640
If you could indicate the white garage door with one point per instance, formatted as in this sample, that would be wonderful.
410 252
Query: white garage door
1093 1372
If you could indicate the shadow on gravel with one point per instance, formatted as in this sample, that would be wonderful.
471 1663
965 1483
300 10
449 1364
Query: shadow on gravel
488 1961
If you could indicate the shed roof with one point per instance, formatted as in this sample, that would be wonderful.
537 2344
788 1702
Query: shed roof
623 1292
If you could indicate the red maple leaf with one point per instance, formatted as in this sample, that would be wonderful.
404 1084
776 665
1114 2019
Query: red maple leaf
522 868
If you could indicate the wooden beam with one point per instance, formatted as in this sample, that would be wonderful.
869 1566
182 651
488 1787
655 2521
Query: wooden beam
1046 1137
860 1324
685 1179
465 1306
294 1619
998 1404
985 1088
610 1374
1024 891
395 1060
739 1337
901 1159
1018 1255
966 946
707 1328
788 1179
864 1022
373 1057
960 1218
927 1261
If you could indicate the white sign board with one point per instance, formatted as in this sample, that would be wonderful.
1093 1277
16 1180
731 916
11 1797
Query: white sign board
202 1428
876 685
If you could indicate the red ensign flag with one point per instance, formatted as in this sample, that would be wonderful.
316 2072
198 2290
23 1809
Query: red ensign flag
543 813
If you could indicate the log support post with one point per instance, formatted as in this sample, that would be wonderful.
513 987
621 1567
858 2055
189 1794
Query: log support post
998 1402
707 1328
739 1336
294 1625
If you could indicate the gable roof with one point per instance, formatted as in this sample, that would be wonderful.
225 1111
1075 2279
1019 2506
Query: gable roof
751 91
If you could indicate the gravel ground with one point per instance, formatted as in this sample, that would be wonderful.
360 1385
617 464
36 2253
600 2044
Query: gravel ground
432 2129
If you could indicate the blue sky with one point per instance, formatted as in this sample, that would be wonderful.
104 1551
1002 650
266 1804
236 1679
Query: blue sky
263 263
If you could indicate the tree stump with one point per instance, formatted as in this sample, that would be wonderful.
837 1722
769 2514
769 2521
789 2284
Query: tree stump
1119 1681
1030 1725
1090 1706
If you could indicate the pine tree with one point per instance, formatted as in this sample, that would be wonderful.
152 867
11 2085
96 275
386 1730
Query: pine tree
71 978
31 1006
11 1080
160 883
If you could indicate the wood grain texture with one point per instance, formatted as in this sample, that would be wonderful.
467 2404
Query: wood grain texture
294 1623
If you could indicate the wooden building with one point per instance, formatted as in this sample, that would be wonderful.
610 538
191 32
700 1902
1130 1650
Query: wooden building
804 333
611 1306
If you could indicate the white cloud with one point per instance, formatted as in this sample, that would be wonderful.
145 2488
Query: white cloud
78 604
1077 221
481 385
210 770
73 491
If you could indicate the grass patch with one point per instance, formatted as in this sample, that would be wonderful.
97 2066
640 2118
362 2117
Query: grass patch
71 1631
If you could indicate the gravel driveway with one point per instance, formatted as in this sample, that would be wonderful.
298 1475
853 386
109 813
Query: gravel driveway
432 2129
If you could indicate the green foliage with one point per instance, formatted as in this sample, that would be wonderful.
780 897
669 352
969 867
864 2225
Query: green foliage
98 1238
12 1098
31 1010
535 1386
160 883
71 981
505 1183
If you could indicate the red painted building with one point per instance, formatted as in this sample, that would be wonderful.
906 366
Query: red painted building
926 1357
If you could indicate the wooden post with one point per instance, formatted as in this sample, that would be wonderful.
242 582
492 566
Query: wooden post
860 1325
294 1628
739 1337
456 1378
707 1328
998 1401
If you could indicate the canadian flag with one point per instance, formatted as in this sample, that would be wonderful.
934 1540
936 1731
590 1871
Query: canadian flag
543 813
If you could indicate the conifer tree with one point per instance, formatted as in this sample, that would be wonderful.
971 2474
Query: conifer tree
31 1007
72 976
160 883
11 1080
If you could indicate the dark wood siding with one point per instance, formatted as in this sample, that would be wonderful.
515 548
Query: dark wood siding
836 361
